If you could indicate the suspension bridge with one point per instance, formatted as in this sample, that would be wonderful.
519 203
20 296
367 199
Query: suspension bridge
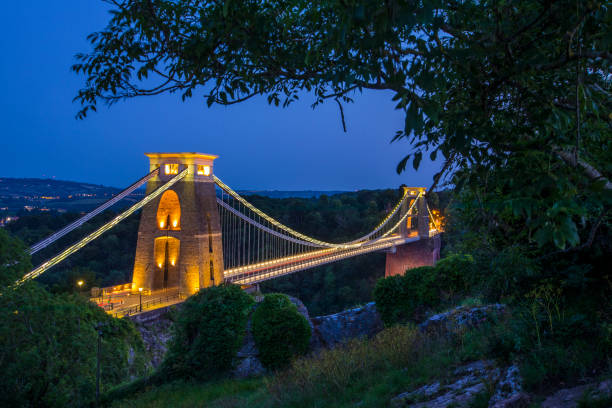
196 232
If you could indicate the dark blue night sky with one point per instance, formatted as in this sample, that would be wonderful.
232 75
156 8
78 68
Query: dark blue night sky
260 146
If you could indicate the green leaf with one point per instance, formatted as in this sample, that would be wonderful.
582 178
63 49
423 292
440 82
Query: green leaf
417 160
401 166
559 239
569 231
542 236
432 112
398 135
414 120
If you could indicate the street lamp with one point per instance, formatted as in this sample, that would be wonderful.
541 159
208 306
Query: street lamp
140 293
80 283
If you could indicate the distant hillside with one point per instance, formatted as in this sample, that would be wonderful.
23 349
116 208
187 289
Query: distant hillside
35 187
47 194
18 194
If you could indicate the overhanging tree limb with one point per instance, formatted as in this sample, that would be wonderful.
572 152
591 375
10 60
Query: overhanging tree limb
591 172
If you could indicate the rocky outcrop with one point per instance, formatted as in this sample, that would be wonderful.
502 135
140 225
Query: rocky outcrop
156 330
501 386
246 363
571 397
364 321
330 330
461 316
337 328
327 331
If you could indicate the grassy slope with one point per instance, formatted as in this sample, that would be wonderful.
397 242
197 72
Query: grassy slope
364 373
367 373
228 393
255 393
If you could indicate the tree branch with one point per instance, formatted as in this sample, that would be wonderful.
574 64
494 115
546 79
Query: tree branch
341 114
587 244
589 170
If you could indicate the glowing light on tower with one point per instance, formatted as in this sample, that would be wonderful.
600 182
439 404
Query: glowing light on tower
203 170
171 168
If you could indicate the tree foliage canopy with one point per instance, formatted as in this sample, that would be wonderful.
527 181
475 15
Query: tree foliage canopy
48 342
522 86
14 260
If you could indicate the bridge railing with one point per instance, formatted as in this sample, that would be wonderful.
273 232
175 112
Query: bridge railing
149 304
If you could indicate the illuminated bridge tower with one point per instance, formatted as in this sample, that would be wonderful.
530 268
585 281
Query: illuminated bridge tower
179 237
425 251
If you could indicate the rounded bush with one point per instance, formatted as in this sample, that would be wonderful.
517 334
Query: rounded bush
208 332
280 331
455 273
399 297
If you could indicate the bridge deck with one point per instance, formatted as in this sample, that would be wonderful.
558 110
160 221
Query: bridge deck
126 304
252 274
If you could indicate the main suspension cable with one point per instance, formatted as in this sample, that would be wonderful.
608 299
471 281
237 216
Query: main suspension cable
75 224
290 231
80 244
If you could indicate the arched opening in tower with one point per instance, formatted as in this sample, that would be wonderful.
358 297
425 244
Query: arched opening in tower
166 255
169 212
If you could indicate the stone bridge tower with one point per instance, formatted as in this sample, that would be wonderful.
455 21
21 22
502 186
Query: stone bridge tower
179 237
423 252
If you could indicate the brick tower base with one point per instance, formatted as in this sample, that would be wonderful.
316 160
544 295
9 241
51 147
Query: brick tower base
420 253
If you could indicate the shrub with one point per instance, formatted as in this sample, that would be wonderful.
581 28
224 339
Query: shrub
48 342
48 349
208 333
393 300
280 331
399 297
561 340
505 275
453 274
